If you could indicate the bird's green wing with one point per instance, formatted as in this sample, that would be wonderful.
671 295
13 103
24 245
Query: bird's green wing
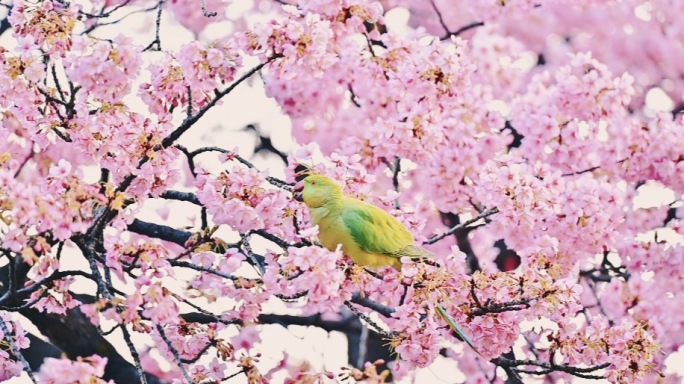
376 231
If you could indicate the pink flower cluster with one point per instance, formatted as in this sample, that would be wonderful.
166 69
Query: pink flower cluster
428 127
151 257
196 71
491 316
62 205
189 340
10 366
418 341
119 138
87 370
495 55
49 24
627 347
55 298
305 42
653 150
19 74
537 201
104 70
564 114
240 199
644 299
210 285
309 269
192 17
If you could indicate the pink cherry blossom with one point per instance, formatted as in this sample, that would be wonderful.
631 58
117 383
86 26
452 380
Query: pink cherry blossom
521 143
81 371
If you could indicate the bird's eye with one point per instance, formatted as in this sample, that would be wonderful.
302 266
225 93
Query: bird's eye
313 183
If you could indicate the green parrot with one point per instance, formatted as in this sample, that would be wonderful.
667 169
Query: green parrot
368 234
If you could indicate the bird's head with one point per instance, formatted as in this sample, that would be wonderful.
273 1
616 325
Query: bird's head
317 190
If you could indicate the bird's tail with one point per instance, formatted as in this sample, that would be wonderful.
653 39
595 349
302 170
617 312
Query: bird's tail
454 327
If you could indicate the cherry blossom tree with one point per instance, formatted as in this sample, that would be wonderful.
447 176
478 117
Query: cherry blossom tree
516 139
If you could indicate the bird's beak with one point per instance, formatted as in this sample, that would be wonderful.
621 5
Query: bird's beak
298 189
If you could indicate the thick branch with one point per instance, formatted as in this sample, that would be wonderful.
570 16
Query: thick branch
370 304
75 335
181 196
4 25
39 350
158 231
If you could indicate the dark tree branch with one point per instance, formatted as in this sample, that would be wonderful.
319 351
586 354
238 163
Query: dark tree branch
514 305
277 240
370 304
199 268
75 335
205 11
181 196
39 350
462 240
45 282
517 137
120 19
455 228
155 45
176 356
272 180
264 143
9 336
396 170
671 215
511 372
104 14
190 121
440 18
505 362
257 261
464 28
4 25
158 231
368 320
592 169
134 354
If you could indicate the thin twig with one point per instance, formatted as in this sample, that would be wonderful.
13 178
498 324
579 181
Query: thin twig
368 320
440 18
251 255
190 100
233 375
205 11
15 350
455 228
396 169
466 27
175 354
155 45
199 268
104 14
134 353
